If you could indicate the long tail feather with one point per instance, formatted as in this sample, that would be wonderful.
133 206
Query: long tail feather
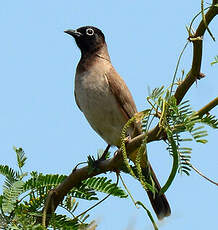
158 202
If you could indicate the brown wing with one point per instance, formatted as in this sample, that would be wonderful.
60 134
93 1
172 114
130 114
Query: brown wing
122 94
128 108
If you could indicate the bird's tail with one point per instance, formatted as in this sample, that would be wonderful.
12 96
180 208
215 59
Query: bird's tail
158 202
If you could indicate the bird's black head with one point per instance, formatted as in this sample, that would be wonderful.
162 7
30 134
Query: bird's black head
88 38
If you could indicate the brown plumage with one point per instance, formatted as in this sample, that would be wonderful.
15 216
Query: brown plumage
103 97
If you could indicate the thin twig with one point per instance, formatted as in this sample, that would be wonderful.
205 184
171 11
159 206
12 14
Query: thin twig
97 203
201 174
204 19
71 213
190 27
124 185
177 66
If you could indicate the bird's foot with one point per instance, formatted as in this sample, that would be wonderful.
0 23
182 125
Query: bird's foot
105 153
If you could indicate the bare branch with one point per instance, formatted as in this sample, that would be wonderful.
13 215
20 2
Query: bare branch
208 107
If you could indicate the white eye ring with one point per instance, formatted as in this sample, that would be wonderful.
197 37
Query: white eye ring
90 31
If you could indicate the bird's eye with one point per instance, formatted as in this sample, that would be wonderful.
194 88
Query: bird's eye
90 31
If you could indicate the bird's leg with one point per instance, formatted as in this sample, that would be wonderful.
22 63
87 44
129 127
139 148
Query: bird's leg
95 162
103 157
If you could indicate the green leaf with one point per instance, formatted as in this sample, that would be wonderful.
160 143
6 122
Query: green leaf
210 120
185 148
203 141
215 60
21 158
83 192
10 196
186 139
62 222
186 172
43 181
70 203
157 92
8 172
102 184
197 128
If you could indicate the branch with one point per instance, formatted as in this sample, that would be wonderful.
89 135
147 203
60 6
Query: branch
81 174
197 40
208 107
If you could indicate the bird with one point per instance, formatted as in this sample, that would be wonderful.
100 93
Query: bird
105 100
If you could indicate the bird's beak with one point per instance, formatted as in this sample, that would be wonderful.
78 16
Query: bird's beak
73 33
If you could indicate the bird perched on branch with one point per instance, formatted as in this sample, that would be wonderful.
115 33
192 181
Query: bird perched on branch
103 97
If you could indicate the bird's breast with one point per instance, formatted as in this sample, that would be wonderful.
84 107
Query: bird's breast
99 105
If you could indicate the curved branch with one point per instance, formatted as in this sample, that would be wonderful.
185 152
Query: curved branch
197 40
78 175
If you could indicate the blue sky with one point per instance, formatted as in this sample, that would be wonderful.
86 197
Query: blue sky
38 110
